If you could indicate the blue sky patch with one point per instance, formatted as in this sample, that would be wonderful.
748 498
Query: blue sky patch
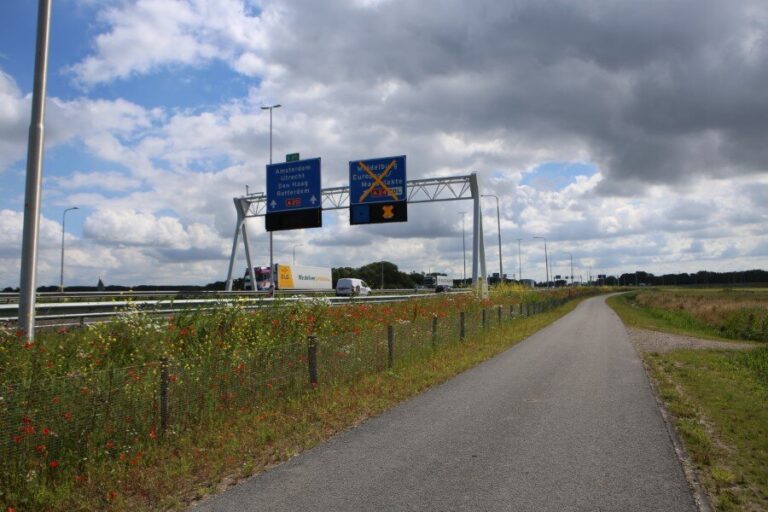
557 175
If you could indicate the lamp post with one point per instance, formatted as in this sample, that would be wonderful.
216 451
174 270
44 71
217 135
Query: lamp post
464 247
271 261
63 224
498 227
546 258
34 178
294 252
519 260
571 256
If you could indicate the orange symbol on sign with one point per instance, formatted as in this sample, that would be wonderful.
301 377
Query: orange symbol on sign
388 211
377 181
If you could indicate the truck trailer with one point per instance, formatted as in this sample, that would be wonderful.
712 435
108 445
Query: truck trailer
291 277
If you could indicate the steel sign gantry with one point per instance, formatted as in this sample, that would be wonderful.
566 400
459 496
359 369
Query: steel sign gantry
427 190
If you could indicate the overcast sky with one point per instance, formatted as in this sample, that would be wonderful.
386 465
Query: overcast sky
632 135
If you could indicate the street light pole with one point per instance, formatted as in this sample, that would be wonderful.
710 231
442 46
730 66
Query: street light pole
498 227
271 259
571 256
28 278
294 252
519 260
464 247
546 258
63 224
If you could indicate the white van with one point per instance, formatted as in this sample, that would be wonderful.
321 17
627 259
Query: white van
349 286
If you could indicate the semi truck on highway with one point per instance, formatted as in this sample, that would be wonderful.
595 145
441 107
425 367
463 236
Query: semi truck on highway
291 277
439 283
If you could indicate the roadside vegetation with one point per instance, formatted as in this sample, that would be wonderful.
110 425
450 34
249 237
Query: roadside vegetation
145 413
718 399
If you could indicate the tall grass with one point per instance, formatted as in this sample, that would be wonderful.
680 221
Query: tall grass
737 314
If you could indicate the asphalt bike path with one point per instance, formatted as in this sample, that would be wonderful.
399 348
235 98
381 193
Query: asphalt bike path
562 421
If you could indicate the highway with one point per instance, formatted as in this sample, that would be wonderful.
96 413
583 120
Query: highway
62 310
565 420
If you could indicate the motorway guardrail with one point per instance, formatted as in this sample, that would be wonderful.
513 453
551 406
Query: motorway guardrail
68 313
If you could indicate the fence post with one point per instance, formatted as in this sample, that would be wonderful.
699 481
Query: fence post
390 346
499 314
521 309
312 359
484 320
434 329
163 395
461 326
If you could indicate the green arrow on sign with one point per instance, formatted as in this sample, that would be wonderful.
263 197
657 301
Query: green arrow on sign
293 157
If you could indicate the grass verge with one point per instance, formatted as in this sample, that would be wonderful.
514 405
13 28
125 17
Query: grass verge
243 445
718 401
658 319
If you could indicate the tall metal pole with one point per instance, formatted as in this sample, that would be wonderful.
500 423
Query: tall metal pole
63 224
27 286
498 226
519 259
464 246
294 252
271 259
546 258
571 256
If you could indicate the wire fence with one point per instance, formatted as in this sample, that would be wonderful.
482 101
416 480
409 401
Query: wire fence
80 418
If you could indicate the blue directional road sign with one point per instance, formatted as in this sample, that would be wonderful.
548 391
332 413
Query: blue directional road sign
293 185
294 197
378 180
377 191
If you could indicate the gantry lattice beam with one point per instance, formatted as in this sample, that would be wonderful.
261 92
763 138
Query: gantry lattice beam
427 190
337 198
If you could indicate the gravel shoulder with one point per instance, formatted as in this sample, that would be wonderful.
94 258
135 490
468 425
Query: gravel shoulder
646 340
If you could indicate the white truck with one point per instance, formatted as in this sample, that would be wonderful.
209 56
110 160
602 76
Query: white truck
291 277
439 283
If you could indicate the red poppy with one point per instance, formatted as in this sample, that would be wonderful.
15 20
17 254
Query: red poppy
53 464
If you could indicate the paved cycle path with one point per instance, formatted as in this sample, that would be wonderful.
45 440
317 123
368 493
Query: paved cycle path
565 420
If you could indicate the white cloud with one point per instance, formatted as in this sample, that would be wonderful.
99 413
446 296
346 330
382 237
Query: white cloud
148 34
135 228
104 180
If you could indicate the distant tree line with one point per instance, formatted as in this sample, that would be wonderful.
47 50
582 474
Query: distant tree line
380 274
701 277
